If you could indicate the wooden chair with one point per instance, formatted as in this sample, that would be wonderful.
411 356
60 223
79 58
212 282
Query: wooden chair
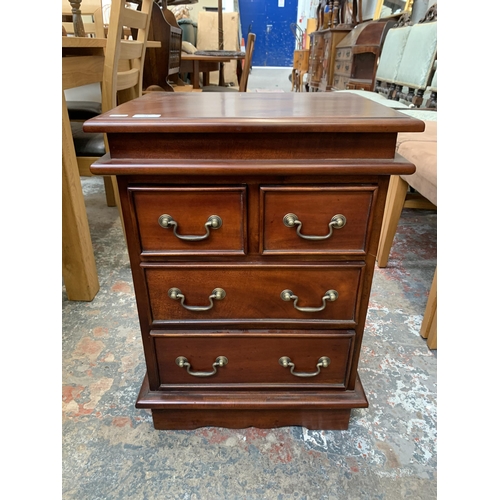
122 81
247 65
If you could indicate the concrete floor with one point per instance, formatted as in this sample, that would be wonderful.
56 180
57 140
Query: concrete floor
275 79
110 449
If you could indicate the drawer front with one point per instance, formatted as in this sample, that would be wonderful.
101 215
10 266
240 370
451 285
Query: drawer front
191 229
314 209
346 68
253 359
253 293
344 53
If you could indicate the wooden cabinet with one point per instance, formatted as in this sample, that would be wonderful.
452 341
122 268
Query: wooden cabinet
322 57
252 223
357 56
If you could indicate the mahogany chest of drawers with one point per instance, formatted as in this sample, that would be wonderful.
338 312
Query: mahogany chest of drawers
252 222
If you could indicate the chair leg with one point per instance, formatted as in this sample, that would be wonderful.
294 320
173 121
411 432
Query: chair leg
84 163
110 193
428 330
394 205
117 198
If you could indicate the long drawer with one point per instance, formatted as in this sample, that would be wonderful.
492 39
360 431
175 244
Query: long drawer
253 292
190 220
329 220
230 359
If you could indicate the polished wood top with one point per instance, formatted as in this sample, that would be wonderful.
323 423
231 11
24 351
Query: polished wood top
163 112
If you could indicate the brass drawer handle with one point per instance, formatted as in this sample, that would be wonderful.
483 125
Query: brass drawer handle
184 363
337 221
286 362
217 294
213 222
330 295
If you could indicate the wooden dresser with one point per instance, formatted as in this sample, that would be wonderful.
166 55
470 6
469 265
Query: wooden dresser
252 224
357 55
323 49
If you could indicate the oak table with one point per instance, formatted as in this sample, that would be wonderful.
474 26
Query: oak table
82 64
252 224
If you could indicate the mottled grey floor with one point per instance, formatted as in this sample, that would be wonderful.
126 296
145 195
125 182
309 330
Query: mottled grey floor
111 450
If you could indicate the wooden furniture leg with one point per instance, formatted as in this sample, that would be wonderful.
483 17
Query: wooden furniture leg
110 193
79 268
84 163
428 330
394 205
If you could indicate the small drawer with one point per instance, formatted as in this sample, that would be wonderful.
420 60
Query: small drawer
190 221
216 293
231 359
343 53
315 220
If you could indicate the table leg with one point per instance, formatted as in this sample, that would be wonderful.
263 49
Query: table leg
79 268
221 75
239 70
195 77
206 78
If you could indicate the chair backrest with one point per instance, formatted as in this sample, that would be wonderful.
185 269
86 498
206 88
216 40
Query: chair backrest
92 16
248 62
419 56
124 60
392 53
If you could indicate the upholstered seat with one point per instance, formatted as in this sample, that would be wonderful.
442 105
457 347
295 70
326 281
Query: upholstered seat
380 98
420 149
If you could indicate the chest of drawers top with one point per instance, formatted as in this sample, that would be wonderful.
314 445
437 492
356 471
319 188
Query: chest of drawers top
250 126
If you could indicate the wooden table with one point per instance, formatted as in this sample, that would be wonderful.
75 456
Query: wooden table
82 64
195 64
252 224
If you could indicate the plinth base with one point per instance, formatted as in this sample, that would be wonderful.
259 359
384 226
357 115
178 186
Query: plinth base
187 410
